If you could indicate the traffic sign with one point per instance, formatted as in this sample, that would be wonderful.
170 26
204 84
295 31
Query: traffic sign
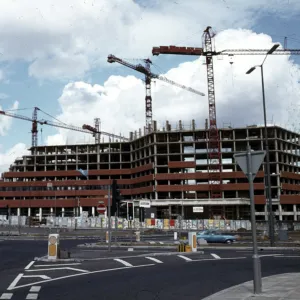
101 209
257 157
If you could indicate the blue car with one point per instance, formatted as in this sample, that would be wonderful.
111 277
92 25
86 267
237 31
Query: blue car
215 236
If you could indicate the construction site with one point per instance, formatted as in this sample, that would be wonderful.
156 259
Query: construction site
176 168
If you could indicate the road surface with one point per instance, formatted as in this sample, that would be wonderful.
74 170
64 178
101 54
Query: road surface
132 277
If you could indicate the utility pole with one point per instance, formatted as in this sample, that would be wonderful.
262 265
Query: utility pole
109 218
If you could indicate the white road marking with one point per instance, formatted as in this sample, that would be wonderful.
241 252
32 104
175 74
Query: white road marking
210 259
286 256
75 275
154 259
125 263
29 265
266 255
32 276
184 257
57 265
6 296
215 256
32 296
15 281
53 269
35 289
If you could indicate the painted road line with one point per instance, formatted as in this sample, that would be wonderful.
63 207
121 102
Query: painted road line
125 263
184 257
31 296
58 265
35 289
81 274
210 259
154 259
266 255
15 281
54 269
215 256
34 276
6 296
29 265
281 256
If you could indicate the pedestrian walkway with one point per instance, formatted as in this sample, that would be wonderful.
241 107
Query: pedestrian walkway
277 287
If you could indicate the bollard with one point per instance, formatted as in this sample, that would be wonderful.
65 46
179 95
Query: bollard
106 237
175 236
53 246
138 236
193 241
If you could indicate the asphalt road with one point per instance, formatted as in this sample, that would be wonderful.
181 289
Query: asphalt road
138 276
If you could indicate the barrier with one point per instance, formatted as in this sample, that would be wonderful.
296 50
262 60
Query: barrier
193 241
53 246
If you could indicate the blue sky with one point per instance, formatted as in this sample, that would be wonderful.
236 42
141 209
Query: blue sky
27 80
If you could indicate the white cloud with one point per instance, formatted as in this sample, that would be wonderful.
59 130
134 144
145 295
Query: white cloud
121 106
5 122
8 157
67 39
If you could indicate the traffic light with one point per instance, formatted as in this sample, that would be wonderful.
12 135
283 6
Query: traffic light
116 198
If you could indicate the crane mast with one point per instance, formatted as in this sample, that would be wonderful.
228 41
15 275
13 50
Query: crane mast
214 153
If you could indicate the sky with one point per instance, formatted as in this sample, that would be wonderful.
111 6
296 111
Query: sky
53 55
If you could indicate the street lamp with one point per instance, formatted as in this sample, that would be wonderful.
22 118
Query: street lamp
268 175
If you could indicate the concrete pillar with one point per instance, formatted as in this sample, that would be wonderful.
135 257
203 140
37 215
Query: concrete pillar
18 212
93 211
295 212
237 212
51 210
266 213
40 213
80 210
63 212
280 212
29 211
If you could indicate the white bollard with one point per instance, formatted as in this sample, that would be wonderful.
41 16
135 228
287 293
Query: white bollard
193 241
175 236
53 246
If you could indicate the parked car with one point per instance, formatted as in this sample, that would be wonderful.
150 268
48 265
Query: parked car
215 236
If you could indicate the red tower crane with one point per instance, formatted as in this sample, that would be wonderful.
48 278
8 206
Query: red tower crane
214 152
85 128
148 77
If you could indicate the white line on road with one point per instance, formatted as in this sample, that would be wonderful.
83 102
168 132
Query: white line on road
266 255
34 276
215 256
29 265
31 296
54 269
15 281
125 263
81 274
57 265
286 256
210 259
35 289
6 296
154 259
184 257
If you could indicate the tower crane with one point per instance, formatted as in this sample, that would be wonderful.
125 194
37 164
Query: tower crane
85 128
214 152
148 77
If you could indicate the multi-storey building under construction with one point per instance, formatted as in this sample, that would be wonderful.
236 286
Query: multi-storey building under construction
169 167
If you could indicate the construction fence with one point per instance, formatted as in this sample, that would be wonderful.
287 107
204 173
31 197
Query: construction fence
118 223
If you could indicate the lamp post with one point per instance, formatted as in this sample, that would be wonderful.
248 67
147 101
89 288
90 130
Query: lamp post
268 172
